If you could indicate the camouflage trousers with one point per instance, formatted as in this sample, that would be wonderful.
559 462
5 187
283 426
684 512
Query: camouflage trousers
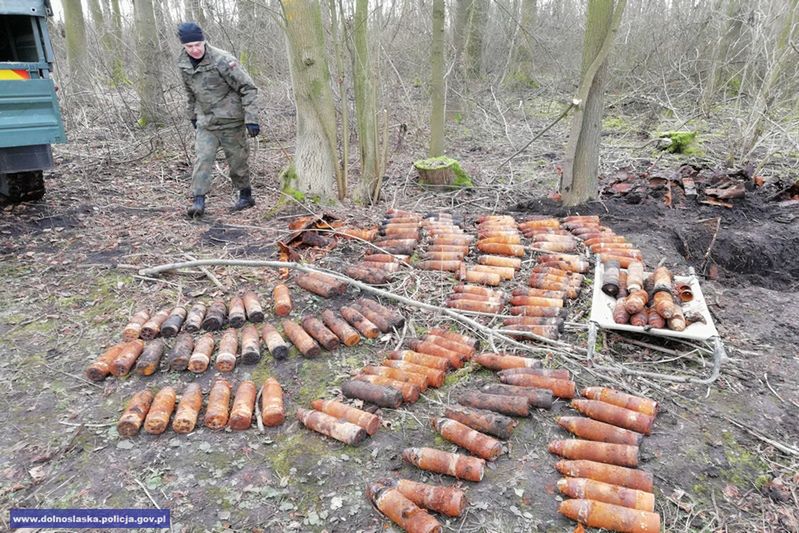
234 144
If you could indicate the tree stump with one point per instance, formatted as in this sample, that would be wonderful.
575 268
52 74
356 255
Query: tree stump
436 171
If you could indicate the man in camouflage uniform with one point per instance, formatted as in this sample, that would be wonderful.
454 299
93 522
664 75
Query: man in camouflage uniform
221 107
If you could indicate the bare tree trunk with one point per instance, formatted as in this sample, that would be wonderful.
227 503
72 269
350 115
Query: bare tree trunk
581 164
316 169
365 105
456 84
75 27
719 61
150 89
339 33
477 19
521 69
118 75
437 90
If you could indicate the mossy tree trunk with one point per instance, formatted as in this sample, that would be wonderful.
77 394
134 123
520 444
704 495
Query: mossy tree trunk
151 95
456 86
75 27
365 105
581 161
723 52
437 88
521 67
477 19
315 160
118 75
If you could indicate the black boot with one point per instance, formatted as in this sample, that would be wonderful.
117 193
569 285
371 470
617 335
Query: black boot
197 208
245 200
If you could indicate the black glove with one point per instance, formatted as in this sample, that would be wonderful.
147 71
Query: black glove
194 123
253 129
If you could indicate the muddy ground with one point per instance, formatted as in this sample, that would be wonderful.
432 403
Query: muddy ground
69 266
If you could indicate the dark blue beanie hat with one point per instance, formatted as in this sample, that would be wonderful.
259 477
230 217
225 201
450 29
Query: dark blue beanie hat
190 32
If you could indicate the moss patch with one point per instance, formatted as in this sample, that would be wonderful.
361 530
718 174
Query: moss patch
682 142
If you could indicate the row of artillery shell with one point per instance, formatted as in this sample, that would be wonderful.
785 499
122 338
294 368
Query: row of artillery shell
404 503
155 411
168 322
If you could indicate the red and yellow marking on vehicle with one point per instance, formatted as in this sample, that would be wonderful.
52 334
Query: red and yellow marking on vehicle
12 74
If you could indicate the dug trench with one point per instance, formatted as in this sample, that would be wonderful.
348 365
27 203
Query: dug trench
65 451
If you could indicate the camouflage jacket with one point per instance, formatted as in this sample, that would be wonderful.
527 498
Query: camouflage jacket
220 93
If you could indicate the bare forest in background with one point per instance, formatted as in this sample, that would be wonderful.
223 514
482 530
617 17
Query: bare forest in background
724 68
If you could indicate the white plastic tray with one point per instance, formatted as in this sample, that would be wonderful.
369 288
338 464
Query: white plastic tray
602 312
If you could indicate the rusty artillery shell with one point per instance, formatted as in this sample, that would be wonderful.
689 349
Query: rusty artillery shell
236 314
640 319
366 327
432 258
472 305
371 393
613 414
272 403
501 261
455 359
444 266
624 257
161 409
615 475
677 322
610 281
410 392
551 285
368 421
420 380
654 320
600 238
382 323
505 273
369 275
452 335
537 310
506 405
497 361
555 237
550 271
540 223
429 361
484 278
180 354
201 356
172 324
582 488
562 388
579 267
341 430
101 367
433 378
601 452
250 345
635 276
440 462
449 501
558 373
194 319
612 517
450 344
282 300
274 342
243 406
589 429
523 331
537 301
482 420
133 328
252 307
316 329
620 314
394 317
216 413
585 219
191 401
321 285
400 233
636 301
215 316
388 268
499 238
495 248
549 246
541 398
152 328
299 338
383 258
133 416
388 243
127 357
479 444
150 358
401 510
228 349
621 399
343 331
543 293
663 303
